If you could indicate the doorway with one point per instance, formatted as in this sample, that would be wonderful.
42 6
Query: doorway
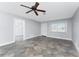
19 29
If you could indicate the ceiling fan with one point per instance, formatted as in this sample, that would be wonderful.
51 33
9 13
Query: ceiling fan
33 8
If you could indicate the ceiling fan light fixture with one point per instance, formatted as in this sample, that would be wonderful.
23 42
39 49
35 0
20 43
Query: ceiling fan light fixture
34 8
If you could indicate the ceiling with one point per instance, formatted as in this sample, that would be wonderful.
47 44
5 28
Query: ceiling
54 10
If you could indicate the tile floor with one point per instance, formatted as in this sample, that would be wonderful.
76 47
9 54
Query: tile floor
40 47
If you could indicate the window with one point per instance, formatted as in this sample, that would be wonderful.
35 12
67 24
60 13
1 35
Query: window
59 27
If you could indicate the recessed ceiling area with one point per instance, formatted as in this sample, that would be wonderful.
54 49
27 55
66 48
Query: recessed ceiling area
54 10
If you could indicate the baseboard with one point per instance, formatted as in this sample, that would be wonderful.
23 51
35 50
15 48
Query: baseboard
31 37
60 38
7 43
76 47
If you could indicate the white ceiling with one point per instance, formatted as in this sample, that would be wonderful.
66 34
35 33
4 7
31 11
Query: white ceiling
54 10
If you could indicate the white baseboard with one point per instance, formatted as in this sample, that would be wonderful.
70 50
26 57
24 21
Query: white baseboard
31 37
6 43
76 46
60 38
48 36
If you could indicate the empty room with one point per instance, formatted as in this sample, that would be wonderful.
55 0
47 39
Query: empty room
39 29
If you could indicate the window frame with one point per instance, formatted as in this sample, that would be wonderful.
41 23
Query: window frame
57 31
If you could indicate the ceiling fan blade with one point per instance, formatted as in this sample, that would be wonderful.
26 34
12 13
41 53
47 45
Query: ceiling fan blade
36 4
36 12
29 11
25 6
41 10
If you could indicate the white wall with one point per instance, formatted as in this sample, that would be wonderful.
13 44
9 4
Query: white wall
45 30
67 35
6 29
7 33
76 29
32 29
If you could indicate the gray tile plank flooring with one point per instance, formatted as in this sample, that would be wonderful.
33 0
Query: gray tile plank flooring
40 47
